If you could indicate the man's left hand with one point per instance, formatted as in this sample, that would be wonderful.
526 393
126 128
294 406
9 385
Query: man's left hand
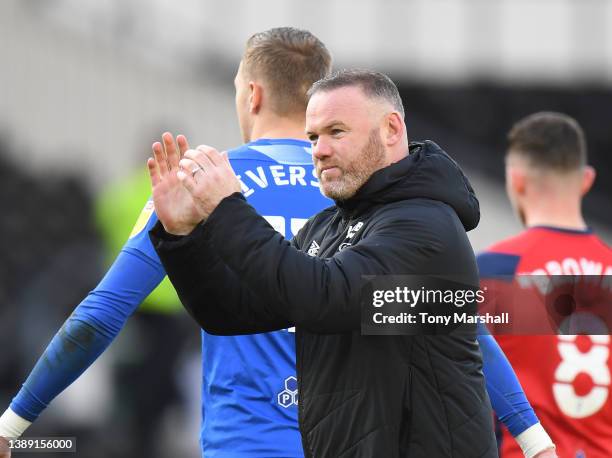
208 176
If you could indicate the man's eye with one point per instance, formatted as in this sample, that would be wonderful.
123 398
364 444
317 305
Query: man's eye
313 139
336 132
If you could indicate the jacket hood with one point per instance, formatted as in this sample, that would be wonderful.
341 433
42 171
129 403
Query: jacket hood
426 172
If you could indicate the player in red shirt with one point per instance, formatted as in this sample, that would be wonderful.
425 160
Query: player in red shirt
565 377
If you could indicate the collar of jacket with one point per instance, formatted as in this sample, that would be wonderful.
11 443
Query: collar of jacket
426 172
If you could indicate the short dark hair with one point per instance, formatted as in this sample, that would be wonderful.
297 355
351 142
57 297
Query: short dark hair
289 60
373 84
549 140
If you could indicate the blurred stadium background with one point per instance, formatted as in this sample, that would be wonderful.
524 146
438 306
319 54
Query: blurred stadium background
86 87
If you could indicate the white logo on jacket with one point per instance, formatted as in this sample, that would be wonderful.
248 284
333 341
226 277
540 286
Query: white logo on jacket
314 249
352 230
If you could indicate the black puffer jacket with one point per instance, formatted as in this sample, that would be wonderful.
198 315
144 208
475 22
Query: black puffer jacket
359 395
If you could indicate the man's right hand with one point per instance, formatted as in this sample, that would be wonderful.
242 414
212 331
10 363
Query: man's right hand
548 453
174 205
5 451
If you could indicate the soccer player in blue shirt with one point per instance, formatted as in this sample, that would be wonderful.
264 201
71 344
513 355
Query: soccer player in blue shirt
249 389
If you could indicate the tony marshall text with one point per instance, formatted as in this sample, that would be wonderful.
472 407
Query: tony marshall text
427 318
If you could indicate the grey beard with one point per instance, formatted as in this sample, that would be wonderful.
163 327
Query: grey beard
371 159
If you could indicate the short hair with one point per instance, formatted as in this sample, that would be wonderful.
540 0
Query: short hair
289 60
549 140
373 84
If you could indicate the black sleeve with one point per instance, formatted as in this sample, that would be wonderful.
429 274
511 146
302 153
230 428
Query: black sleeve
205 285
319 295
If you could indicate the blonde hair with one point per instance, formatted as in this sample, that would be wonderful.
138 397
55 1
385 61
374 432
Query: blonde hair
289 61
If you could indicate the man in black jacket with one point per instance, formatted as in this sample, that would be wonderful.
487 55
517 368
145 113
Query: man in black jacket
400 209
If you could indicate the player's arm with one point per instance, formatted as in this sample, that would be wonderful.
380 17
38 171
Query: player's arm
508 399
231 308
507 396
90 329
319 295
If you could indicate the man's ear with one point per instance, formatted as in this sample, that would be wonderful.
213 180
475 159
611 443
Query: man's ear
588 178
394 128
255 97
516 180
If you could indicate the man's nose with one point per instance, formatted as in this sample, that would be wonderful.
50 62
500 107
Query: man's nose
321 149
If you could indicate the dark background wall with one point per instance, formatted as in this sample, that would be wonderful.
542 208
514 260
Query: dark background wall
472 122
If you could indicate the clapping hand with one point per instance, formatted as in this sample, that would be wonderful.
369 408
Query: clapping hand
173 203
209 178
188 186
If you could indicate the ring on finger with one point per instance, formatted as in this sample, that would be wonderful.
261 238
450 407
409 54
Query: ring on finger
196 170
